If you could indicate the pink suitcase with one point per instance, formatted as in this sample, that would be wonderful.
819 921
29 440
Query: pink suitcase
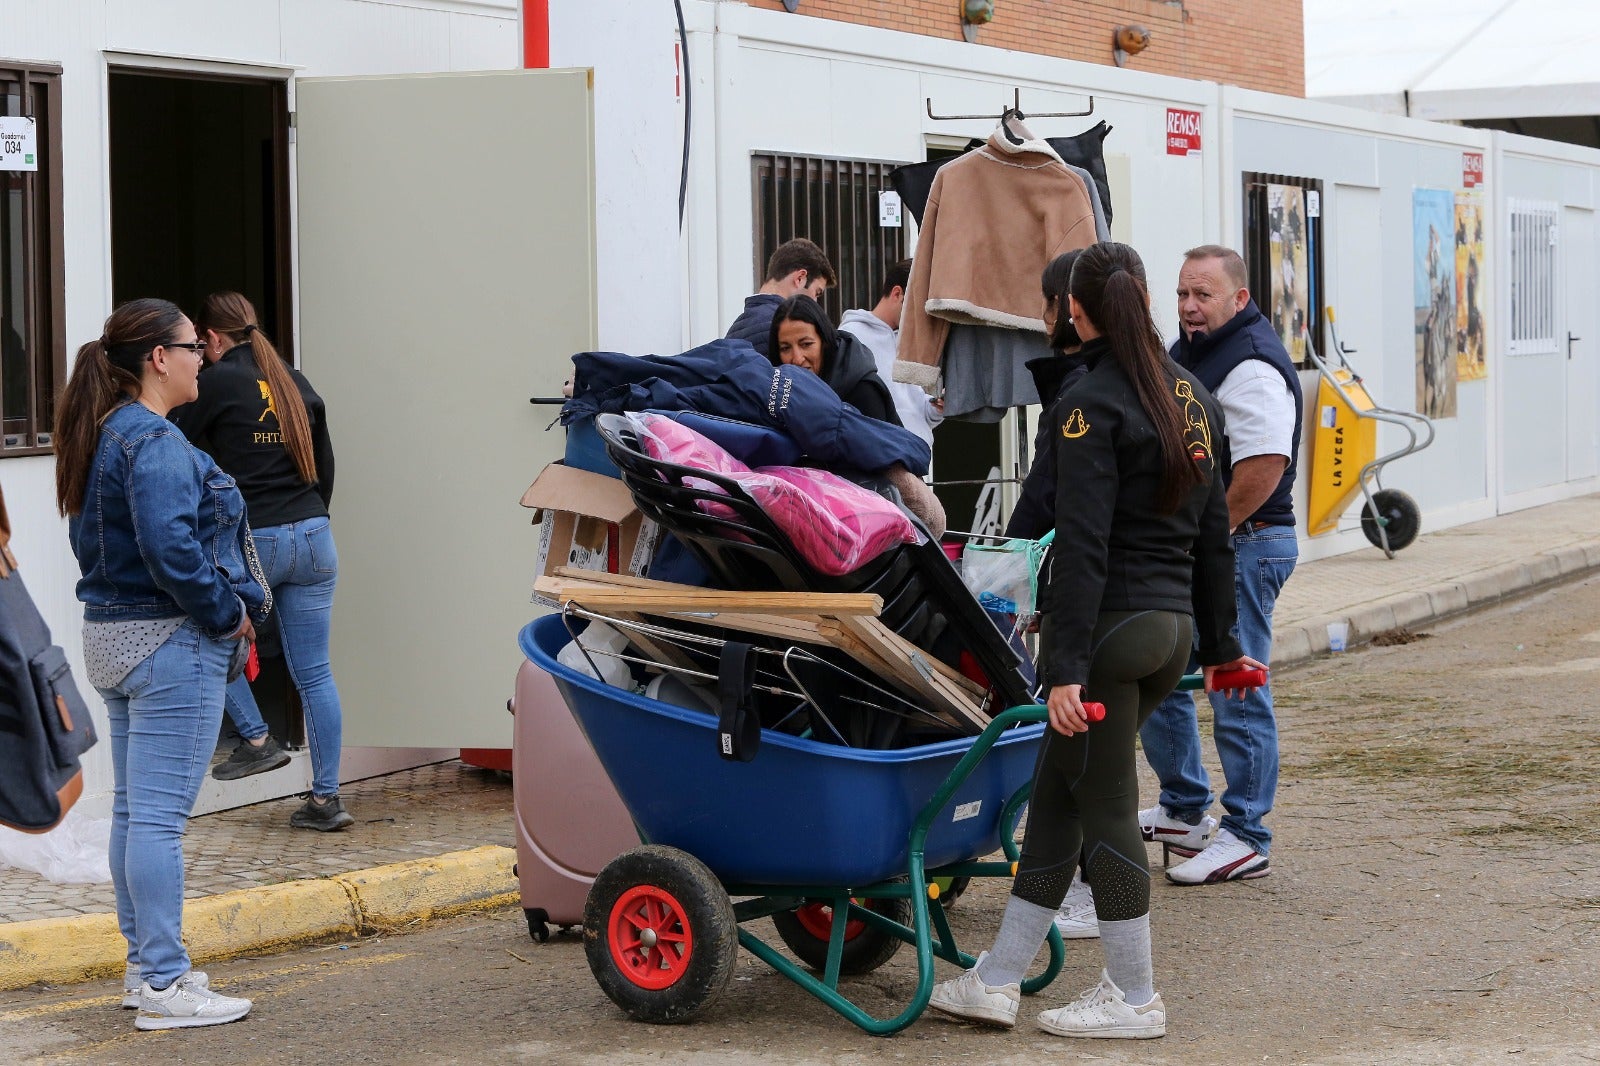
570 822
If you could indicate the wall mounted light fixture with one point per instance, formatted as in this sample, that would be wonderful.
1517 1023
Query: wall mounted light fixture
975 13
1128 41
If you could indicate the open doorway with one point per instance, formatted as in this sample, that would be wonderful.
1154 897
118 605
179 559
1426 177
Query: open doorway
199 191
199 176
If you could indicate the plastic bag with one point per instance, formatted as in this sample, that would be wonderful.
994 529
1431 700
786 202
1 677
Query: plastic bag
603 644
75 852
1004 577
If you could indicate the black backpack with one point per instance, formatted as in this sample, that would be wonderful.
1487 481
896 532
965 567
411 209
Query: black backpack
44 724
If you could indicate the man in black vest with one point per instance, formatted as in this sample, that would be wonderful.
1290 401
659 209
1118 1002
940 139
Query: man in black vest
1232 348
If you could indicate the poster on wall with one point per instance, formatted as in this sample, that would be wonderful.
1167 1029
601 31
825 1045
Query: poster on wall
1286 264
1433 227
1471 364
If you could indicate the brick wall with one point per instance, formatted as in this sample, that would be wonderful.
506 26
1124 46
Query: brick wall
1259 44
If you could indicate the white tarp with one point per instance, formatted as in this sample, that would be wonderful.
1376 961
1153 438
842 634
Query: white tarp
1456 59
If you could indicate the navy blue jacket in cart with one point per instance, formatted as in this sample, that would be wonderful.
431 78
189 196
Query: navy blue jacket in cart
1211 357
730 378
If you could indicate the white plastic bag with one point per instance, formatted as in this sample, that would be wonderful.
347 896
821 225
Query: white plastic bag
603 644
75 852
1004 577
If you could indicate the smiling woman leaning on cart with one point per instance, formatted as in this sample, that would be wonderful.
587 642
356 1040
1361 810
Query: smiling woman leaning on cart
1142 560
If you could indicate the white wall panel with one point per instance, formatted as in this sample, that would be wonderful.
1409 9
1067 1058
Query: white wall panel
478 43
334 37
240 31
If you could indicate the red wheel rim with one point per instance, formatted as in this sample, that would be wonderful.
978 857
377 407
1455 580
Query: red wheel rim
649 937
817 919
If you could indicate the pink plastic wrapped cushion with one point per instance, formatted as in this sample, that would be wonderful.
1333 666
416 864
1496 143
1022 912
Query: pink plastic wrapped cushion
836 525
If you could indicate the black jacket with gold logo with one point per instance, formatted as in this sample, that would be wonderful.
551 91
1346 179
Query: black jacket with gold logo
1116 549
236 421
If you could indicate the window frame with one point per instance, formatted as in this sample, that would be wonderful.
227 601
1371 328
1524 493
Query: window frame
44 279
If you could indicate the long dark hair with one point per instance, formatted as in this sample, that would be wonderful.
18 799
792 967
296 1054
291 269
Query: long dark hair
234 317
802 308
105 373
1108 282
1053 284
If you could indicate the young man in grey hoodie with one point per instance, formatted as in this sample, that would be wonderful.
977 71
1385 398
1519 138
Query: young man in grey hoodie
879 329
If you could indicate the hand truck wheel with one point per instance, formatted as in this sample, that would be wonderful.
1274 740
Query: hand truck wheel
1400 515
660 934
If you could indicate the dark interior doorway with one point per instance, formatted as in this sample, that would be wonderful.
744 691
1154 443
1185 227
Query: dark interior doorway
199 191
199 204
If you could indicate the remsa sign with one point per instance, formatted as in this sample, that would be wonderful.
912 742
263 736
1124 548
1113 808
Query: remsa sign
1183 132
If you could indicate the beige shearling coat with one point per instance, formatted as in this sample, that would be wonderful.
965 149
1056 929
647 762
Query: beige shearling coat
995 218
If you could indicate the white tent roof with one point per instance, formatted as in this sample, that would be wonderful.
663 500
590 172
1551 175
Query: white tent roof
1456 59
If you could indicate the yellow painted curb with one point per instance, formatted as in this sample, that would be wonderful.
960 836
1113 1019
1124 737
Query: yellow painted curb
433 888
271 917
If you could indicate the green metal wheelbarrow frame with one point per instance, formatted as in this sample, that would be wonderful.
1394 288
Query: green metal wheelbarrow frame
929 931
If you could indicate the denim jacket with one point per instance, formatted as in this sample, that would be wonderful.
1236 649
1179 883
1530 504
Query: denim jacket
163 531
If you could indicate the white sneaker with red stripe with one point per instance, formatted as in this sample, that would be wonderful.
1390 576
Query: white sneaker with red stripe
1227 859
1158 826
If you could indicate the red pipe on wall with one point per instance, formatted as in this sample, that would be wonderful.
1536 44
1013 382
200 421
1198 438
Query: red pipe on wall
535 33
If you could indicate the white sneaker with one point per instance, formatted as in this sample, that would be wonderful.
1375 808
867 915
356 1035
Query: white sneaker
1227 859
1076 919
969 998
1157 825
1103 1012
131 983
186 1003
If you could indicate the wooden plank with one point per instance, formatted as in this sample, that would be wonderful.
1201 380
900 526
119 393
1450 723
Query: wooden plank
664 650
955 677
685 600
897 652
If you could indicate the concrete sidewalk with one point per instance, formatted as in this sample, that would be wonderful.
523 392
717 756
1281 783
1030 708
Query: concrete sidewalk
437 840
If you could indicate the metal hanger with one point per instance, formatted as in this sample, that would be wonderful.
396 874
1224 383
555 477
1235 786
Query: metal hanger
1015 108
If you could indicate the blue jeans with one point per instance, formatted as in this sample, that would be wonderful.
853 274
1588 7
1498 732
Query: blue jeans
164 719
302 568
1246 730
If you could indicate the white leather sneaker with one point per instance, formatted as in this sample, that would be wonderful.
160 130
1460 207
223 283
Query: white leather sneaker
186 1003
969 998
1227 859
1103 1012
1076 919
1158 826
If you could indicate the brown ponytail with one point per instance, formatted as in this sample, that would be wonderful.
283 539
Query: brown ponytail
107 371
233 316
1109 282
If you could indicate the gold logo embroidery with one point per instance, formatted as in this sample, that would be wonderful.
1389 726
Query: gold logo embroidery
1196 428
266 394
1075 426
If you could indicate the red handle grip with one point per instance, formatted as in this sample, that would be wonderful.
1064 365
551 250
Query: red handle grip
1094 712
252 665
1228 679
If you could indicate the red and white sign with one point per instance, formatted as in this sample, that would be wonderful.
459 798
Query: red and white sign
1183 132
1471 169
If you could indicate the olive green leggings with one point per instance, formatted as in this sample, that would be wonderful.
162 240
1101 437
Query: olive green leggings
1085 799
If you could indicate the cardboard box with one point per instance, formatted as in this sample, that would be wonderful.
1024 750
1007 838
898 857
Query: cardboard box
587 520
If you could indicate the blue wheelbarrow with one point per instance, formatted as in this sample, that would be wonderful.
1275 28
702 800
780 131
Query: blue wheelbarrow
841 847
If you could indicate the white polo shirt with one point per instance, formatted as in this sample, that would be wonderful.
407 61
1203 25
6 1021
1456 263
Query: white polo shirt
1259 409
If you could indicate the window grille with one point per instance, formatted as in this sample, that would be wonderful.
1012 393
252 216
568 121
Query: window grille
1533 277
833 202
32 284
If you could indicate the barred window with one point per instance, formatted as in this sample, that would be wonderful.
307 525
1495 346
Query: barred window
32 286
833 202
1533 277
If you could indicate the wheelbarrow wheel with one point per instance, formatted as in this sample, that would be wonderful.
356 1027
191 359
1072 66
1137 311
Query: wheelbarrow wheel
660 934
806 930
1401 515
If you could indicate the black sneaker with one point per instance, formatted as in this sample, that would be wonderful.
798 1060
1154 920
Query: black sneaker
248 759
323 817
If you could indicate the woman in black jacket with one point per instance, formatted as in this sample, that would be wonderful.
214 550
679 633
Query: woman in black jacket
802 336
1142 560
267 427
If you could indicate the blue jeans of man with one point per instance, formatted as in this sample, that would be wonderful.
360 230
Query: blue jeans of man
1246 731
164 718
302 568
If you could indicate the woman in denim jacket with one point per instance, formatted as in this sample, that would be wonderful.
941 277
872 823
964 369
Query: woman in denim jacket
170 600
